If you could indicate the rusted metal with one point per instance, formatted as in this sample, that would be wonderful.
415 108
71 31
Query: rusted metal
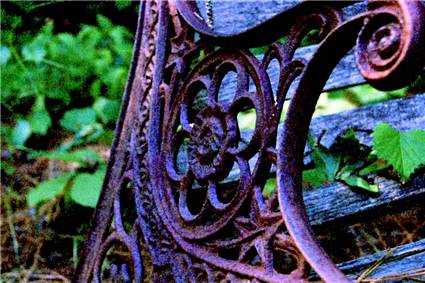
195 228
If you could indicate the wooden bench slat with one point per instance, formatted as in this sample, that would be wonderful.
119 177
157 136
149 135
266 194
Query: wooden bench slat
345 74
246 14
405 258
403 114
338 202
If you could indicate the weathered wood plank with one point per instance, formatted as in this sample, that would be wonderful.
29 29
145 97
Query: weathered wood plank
405 258
250 13
336 202
345 74
402 114
235 16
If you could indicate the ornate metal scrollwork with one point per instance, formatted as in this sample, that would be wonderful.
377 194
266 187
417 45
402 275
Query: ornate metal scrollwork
213 144
196 184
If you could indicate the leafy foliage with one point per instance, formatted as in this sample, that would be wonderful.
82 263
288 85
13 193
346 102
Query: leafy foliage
342 162
61 88
74 120
21 132
80 186
48 190
77 79
349 162
86 188
405 151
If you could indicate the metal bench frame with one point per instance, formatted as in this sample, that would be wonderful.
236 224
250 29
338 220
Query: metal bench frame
198 236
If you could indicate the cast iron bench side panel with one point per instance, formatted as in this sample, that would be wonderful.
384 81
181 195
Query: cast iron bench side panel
182 247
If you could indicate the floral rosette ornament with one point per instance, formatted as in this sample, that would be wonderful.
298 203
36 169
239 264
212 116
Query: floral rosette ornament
202 143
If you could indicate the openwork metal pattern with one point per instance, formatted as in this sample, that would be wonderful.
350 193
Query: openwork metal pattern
178 141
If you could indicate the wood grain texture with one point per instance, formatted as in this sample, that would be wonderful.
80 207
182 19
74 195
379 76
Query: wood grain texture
337 202
344 75
235 16
402 114
404 258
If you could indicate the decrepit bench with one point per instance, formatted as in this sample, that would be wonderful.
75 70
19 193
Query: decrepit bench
183 192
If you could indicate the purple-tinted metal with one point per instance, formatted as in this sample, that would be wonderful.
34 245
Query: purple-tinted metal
196 228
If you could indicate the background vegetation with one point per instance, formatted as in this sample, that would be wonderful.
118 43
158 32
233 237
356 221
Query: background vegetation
63 71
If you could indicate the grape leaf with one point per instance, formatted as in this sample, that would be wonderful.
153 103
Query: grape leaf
357 181
315 177
405 151
75 119
86 188
48 189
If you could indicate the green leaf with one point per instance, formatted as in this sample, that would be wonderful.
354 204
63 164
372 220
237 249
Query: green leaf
247 119
376 166
4 55
48 189
86 188
106 137
21 132
75 119
40 122
269 187
95 88
356 181
104 23
314 178
259 50
106 109
121 4
34 52
348 147
405 151
324 159
326 165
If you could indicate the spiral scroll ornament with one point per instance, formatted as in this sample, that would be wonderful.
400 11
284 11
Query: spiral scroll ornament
390 48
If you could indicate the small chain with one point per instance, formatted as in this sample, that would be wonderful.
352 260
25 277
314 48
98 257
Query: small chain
210 15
